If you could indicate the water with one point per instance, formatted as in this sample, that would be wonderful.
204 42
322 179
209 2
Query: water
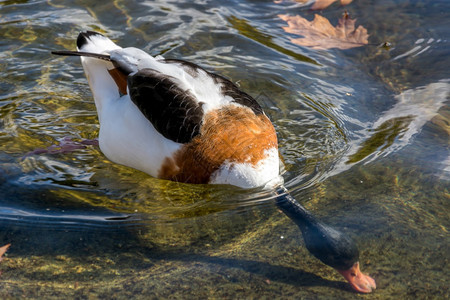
364 135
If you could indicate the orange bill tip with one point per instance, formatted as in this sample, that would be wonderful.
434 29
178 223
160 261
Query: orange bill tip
360 282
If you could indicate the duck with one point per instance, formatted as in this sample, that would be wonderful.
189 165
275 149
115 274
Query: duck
175 120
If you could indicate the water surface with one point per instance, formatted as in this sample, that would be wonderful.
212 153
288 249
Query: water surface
364 136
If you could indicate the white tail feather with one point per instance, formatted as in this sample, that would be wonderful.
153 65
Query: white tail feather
102 85
95 43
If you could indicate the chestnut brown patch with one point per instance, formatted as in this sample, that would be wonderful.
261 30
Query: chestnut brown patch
120 79
232 133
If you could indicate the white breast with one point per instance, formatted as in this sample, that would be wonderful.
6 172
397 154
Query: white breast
264 174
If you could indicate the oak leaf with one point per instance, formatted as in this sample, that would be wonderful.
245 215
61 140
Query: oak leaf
3 250
320 34
322 4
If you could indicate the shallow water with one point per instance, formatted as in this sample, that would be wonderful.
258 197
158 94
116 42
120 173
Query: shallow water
364 135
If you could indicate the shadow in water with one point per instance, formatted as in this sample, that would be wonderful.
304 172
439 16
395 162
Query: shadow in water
87 246
276 273
82 235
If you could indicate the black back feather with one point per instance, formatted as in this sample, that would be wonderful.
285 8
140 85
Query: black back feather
174 113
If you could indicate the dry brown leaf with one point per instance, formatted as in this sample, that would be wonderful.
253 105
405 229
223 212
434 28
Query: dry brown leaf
3 250
322 4
320 34
281 1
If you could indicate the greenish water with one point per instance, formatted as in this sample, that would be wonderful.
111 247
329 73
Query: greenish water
364 135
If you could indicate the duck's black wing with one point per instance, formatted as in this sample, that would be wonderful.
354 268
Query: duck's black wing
175 113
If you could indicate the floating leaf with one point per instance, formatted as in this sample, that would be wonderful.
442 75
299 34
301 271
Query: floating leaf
320 34
3 250
322 4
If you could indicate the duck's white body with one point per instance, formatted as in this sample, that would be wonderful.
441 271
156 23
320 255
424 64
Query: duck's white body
128 137
121 123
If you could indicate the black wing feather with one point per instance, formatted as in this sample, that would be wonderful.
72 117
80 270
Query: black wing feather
174 113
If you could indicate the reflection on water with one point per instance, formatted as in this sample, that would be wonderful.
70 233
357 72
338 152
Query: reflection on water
363 135
421 47
406 119
383 138
247 30
401 122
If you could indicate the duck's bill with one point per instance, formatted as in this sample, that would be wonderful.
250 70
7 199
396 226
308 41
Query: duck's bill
360 282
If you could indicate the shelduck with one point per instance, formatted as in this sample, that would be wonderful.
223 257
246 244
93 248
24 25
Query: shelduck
175 120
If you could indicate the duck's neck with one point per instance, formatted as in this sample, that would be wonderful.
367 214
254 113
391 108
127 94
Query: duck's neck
295 211
331 246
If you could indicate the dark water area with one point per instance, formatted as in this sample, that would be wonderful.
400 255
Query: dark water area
363 134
